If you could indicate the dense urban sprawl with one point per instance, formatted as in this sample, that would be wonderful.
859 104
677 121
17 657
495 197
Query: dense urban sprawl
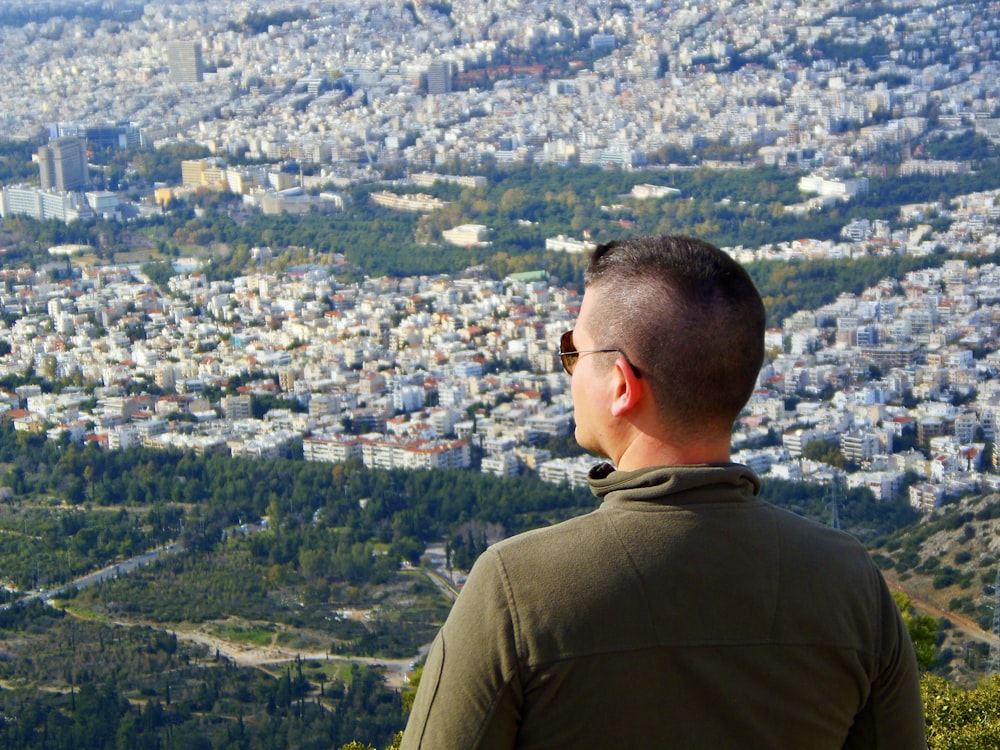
414 372
362 83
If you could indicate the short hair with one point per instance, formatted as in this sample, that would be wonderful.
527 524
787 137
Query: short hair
690 319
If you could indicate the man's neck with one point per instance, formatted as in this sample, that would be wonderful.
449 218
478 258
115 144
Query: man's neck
646 451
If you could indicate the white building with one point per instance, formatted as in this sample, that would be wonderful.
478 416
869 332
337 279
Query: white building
466 235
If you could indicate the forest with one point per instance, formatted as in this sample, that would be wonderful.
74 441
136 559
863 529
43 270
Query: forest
789 286
110 688
107 504
522 205
117 673
336 539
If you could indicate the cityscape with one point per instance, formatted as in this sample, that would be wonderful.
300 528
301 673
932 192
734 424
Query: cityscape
201 590
442 372
415 372
358 90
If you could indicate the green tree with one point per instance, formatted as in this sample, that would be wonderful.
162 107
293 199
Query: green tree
960 719
826 452
923 631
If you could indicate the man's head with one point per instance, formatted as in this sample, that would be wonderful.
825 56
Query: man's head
686 320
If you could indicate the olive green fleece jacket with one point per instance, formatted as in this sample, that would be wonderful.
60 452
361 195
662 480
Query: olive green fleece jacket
683 613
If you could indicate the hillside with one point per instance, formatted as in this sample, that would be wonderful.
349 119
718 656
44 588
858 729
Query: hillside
948 565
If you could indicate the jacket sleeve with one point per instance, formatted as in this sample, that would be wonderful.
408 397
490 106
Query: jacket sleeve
470 695
893 716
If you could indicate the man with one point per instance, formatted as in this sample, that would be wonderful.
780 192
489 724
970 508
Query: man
684 612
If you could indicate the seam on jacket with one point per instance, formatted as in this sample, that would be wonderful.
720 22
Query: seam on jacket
880 664
488 716
635 569
516 627
515 621
846 648
437 687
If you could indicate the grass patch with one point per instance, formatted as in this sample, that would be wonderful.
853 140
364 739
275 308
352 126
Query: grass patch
302 640
322 670
253 635
342 670
81 613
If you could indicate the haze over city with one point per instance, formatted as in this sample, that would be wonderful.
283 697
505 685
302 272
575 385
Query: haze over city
363 82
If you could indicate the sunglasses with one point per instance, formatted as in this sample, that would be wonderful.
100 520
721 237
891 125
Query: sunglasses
569 355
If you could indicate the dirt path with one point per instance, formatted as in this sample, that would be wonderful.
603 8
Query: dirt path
970 628
260 657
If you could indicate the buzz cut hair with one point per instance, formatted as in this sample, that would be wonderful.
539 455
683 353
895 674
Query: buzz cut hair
689 317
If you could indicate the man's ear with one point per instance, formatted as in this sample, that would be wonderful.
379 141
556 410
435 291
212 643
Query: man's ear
628 388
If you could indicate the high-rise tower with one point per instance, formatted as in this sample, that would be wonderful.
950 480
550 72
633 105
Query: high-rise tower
63 164
439 77
184 58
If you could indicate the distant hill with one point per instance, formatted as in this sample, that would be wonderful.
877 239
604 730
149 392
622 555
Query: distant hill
948 565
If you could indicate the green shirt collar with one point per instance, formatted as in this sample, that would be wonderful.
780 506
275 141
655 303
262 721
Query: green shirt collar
662 483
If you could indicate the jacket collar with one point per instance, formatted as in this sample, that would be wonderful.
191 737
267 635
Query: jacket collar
663 484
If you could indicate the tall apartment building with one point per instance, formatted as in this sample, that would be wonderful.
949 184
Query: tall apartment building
184 58
42 204
237 407
439 77
209 172
63 164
